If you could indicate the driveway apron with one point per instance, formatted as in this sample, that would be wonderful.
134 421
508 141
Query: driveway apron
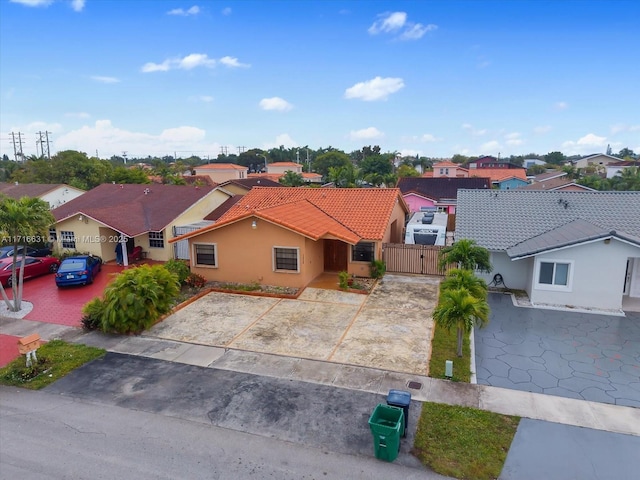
389 329
577 355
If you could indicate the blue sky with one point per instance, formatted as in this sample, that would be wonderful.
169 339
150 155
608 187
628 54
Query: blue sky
433 78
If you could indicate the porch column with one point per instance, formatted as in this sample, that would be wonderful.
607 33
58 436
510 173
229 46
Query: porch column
125 253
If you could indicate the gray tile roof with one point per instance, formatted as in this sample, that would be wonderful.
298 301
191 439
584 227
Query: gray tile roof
500 219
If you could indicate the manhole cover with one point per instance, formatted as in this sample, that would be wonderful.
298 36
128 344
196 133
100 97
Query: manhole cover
414 385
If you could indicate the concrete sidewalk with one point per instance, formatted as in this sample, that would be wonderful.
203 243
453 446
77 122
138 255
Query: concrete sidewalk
567 411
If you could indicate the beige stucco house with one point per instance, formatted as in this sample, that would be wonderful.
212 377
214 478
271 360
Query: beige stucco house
288 236
222 172
55 194
137 215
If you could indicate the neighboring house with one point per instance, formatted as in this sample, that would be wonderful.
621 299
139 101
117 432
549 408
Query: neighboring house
546 176
616 168
140 215
288 236
55 194
447 169
440 193
575 249
557 183
490 162
222 172
275 171
503 178
240 187
598 159
530 162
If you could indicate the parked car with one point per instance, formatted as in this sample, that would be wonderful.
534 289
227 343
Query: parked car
78 270
33 267
7 251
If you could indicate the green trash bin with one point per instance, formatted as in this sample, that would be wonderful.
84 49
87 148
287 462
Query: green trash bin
386 424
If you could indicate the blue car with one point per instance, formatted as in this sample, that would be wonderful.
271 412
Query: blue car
78 270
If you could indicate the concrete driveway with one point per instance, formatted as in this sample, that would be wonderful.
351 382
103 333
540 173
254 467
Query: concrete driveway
389 329
577 355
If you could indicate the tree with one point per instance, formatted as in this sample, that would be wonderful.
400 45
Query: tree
467 255
291 179
325 161
460 278
626 153
556 158
376 165
20 221
345 176
458 308
405 170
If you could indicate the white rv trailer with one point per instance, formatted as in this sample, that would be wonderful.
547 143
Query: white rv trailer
426 228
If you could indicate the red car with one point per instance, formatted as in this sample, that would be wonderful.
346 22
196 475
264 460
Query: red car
33 267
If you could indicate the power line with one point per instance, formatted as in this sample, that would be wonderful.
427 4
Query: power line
15 151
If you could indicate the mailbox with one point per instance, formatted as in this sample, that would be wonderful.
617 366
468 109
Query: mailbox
29 343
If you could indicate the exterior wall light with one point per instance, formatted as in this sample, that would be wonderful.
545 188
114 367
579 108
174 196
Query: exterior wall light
254 224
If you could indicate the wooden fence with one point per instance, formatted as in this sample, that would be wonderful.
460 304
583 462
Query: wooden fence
419 259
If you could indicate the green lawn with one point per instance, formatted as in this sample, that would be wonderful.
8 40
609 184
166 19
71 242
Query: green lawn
443 347
463 442
55 359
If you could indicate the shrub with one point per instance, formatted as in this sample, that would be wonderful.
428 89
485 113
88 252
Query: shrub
93 312
179 268
343 280
136 298
195 281
378 269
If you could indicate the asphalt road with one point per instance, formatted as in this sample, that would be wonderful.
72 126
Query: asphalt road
108 419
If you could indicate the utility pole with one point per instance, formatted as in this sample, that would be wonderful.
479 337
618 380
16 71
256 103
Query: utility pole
19 149
241 150
124 156
42 138
298 156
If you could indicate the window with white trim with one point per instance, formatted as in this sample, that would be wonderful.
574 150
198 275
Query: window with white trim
363 252
68 239
53 235
554 275
286 259
156 239
205 254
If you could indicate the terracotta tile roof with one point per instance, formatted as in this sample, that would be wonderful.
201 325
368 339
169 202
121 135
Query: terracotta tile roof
220 166
274 177
350 214
499 174
445 164
129 210
441 187
34 190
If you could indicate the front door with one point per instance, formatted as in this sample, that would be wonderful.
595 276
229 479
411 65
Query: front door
335 255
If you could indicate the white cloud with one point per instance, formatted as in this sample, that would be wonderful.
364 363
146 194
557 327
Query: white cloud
388 22
77 115
77 5
474 131
586 144
205 98
542 129
417 31
561 106
513 139
194 60
101 79
376 89
188 62
428 138
232 62
226 11
275 103
396 22
33 3
370 133
185 13
283 139
110 140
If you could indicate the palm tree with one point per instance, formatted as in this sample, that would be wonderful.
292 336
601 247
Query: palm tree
21 220
460 278
467 255
458 308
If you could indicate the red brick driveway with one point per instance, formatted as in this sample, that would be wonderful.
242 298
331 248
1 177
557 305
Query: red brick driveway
63 306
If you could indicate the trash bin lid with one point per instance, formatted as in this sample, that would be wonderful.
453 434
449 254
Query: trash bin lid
399 397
